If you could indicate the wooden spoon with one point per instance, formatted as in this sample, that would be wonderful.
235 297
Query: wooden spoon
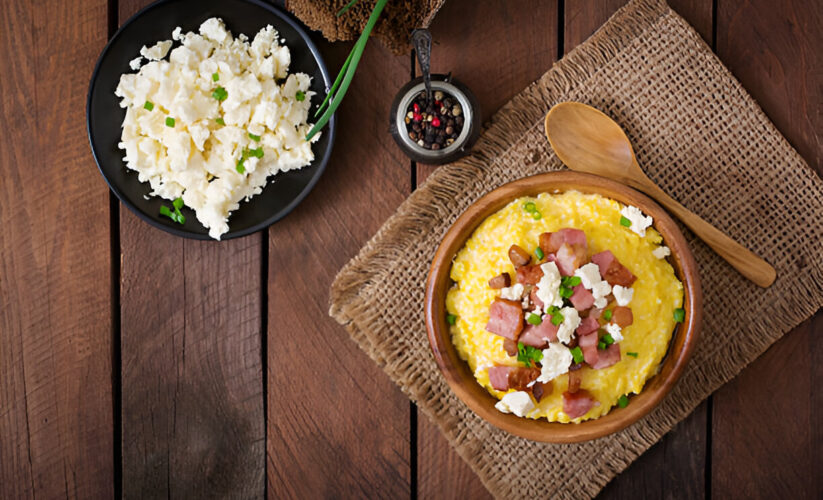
587 140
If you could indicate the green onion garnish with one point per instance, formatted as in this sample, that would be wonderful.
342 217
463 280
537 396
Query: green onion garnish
557 318
534 319
608 339
215 77
623 401
536 215
577 354
607 315
220 121
241 169
257 153
566 292
632 354
177 203
164 210
528 354
170 121
176 216
220 94
539 252
601 345
624 221
570 281
255 138
451 319
300 95
679 314
149 105
529 207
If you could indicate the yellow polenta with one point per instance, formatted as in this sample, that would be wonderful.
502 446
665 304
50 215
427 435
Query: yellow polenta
657 293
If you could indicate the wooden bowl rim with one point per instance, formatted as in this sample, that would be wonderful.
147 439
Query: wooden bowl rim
457 372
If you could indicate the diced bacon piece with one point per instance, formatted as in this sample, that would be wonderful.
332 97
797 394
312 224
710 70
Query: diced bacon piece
608 357
587 325
510 346
574 381
518 256
540 389
536 335
545 243
569 258
595 313
578 403
500 281
582 298
622 316
588 344
529 275
505 318
551 242
499 376
573 236
612 270
534 299
504 378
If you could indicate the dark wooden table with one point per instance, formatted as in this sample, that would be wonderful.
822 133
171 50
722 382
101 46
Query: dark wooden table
139 364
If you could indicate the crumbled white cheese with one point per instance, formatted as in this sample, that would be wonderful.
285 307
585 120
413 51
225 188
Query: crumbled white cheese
661 252
518 402
622 295
556 361
639 221
571 320
514 292
589 275
157 51
615 331
548 288
177 34
136 63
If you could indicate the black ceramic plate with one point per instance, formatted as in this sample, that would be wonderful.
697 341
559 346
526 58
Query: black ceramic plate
104 114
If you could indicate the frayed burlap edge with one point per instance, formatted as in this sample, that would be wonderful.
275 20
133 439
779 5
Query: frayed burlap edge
353 303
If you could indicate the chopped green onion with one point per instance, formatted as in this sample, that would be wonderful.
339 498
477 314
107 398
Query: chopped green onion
679 314
178 203
220 94
149 105
566 292
608 339
529 207
625 222
577 354
632 354
557 318
607 315
539 252
536 215
176 216
215 77
241 169
300 95
170 121
534 319
181 219
451 319
601 345
526 354
574 280
257 153
220 121
623 401
164 210
255 138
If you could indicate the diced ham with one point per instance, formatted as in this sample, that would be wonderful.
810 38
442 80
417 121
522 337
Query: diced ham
535 300
582 299
595 313
588 344
504 378
551 242
510 346
608 357
540 389
612 270
574 381
505 318
499 377
536 335
587 326
518 256
622 316
569 258
578 403
500 281
529 275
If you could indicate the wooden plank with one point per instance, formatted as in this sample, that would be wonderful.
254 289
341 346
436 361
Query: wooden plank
517 46
337 426
55 262
676 464
192 386
766 441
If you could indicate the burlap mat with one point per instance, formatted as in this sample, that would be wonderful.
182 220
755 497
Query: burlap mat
700 136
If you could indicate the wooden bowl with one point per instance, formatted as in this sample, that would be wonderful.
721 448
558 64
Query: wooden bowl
457 372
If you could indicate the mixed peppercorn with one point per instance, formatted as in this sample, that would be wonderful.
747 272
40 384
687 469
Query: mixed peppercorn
435 125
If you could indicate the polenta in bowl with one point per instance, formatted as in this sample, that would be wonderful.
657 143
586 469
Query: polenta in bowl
563 304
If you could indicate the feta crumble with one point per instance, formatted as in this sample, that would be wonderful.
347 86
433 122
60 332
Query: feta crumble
548 288
519 403
589 275
136 63
622 295
661 252
556 361
157 51
514 292
615 331
639 221
571 320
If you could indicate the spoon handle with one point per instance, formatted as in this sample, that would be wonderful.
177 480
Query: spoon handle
747 263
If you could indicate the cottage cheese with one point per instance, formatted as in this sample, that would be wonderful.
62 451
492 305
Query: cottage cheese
556 361
571 320
622 295
197 158
639 221
661 252
548 288
519 403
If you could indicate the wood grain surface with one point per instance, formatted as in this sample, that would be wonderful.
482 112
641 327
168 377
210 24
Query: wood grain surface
192 388
55 269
